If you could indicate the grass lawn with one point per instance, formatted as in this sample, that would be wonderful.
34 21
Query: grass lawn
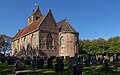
91 70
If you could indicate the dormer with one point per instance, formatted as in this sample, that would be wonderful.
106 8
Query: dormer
36 14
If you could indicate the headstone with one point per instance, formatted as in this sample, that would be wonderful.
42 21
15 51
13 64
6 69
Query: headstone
75 60
3 59
40 63
45 58
49 63
71 61
118 58
34 58
20 66
77 69
87 62
59 66
79 59
38 57
22 59
28 61
34 62
114 58
52 57
10 60
85 57
100 59
66 57
0 66
62 57
59 60
93 60
105 63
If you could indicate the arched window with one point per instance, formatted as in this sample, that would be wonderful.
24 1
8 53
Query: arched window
49 41
61 41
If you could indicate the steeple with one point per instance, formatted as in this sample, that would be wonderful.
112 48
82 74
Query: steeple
36 14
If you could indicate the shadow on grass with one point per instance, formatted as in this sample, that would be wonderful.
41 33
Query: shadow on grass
99 70
91 70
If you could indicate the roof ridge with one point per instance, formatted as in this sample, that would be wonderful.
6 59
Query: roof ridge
29 28
45 16
72 29
68 25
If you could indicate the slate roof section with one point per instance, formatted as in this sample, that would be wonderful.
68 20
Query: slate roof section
29 28
64 26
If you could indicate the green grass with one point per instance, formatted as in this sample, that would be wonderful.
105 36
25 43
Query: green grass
91 70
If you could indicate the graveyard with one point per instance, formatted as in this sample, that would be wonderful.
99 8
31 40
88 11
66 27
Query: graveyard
77 65
71 38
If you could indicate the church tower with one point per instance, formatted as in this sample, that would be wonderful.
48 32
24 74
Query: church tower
36 14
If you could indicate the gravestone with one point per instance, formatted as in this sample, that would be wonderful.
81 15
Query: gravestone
77 69
105 63
59 60
59 66
0 66
34 62
94 60
28 61
52 57
71 61
62 57
75 60
40 63
22 59
38 57
45 58
114 58
49 63
67 59
34 58
20 66
79 59
87 62
3 59
85 57
10 60
21 69
100 59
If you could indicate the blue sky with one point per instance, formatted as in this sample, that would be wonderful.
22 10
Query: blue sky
91 18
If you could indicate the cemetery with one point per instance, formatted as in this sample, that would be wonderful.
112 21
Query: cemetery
77 65
49 46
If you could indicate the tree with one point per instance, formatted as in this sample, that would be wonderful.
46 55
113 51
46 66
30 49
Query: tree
100 46
5 43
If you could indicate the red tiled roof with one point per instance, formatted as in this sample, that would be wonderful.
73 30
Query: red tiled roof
29 28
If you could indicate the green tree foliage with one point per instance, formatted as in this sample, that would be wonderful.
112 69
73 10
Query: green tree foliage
100 46
3 43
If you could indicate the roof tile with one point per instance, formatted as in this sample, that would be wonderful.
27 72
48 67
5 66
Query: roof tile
29 28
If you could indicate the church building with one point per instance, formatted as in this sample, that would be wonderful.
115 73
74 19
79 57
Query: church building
43 36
